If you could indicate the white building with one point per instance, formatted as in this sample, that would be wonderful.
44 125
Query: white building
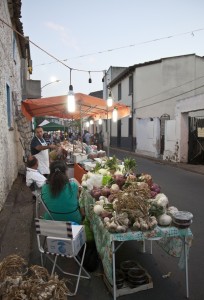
155 91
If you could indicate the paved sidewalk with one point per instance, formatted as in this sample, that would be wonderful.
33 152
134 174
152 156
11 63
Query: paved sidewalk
15 221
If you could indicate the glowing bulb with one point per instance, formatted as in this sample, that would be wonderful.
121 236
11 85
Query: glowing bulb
71 103
100 121
109 100
115 115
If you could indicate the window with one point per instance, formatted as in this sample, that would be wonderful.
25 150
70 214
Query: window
130 126
8 97
119 91
130 85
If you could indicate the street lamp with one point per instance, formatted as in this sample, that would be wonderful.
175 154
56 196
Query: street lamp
57 80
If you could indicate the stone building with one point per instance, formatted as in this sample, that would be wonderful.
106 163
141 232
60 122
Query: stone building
15 69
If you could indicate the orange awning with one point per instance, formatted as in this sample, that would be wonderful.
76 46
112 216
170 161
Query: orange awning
86 106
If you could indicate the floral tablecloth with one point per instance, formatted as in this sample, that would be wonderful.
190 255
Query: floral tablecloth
171 239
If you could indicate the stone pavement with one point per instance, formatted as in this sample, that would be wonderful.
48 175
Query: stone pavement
16 218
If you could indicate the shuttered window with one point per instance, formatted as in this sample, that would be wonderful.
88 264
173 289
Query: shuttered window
119 91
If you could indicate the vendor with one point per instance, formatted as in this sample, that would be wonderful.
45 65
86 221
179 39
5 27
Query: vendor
39 148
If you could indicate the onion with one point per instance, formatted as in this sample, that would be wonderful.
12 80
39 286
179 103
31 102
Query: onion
96 193
105 191
98 209
119 180
114 187
153 194
155 188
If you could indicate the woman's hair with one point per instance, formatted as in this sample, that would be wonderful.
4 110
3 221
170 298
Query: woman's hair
58 177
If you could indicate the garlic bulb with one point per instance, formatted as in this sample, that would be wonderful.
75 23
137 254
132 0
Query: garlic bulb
164 220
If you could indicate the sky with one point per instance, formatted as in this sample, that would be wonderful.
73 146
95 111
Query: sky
93 35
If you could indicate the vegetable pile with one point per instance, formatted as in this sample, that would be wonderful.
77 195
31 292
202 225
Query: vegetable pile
126 200
17 281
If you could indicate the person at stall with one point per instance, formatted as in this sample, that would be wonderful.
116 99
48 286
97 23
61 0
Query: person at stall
87 138
39 148
96 138
34 180
61 194
100 140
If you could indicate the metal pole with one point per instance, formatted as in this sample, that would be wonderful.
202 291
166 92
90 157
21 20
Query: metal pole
113 266
81 128
186 266
108 136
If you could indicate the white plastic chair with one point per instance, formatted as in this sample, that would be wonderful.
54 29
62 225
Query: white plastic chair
59 238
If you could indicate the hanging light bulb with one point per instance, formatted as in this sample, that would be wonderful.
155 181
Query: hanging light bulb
87 124
115 115
90 80
71 103
109 100
91 122
100 121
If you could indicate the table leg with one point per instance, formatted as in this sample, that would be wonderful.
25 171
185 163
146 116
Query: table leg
113 266
186 266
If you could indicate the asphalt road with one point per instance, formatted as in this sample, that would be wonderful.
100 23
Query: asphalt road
184 190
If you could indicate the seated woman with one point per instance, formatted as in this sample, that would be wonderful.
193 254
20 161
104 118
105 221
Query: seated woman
60 195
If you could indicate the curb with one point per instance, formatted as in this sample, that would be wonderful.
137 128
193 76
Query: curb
199 169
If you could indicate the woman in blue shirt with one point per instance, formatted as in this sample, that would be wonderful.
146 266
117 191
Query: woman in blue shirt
60 195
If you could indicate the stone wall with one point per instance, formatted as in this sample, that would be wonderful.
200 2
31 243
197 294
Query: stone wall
11 151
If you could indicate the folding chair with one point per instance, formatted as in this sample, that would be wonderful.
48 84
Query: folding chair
41 208
59 238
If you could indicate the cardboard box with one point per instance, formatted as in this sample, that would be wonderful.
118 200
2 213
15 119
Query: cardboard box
69 247
79 157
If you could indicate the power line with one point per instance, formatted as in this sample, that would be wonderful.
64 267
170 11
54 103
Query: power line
144 99
171 97
49 54
127 46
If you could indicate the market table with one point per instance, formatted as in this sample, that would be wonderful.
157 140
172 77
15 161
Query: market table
174 241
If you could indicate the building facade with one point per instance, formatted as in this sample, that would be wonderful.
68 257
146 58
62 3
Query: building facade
153 91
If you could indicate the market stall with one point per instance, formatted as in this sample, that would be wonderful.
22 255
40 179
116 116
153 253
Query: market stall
86 107
122 207
180 239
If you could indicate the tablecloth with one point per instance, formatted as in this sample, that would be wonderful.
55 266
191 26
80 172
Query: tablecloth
171 239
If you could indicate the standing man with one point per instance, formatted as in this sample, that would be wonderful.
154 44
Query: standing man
39 148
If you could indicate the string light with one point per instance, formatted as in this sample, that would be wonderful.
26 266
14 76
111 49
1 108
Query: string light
110 100
192 33
115 114
90 81
71 103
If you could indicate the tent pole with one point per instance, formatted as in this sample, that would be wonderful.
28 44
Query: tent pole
81 129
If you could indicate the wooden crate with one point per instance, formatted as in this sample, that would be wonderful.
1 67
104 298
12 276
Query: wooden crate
125 290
